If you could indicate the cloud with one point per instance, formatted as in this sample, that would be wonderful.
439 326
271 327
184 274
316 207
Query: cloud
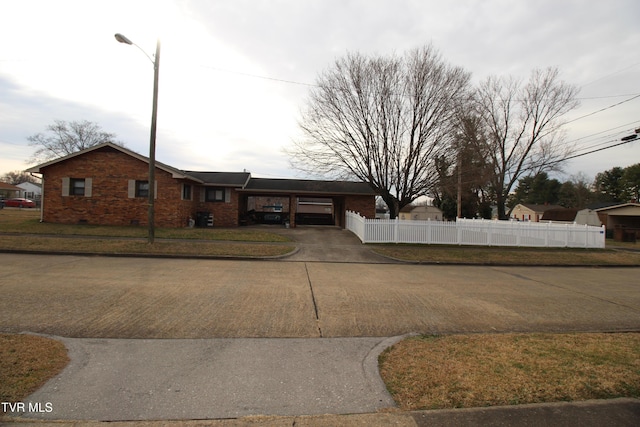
63 63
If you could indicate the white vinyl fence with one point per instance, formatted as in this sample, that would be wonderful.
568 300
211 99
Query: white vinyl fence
476 232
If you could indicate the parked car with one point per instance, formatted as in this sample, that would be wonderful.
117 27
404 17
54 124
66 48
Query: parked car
20 203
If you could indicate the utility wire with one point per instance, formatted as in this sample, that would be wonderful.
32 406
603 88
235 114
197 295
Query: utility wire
258 76
594 151
603 109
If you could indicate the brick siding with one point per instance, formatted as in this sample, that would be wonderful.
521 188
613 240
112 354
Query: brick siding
109 203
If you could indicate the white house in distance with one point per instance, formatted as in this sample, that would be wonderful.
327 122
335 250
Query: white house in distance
29 190
530 212
420 213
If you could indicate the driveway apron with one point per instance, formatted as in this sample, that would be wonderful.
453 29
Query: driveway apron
329 244
120 380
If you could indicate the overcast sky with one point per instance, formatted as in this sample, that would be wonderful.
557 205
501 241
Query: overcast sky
234 74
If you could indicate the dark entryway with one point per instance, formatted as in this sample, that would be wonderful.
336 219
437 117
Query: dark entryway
315 211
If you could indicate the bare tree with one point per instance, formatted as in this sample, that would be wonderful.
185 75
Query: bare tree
64 138
463 171
382 120
18 177
524 127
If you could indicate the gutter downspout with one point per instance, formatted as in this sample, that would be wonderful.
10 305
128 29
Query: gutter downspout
41 196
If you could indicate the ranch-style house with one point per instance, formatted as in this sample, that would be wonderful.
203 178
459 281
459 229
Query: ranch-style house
108 185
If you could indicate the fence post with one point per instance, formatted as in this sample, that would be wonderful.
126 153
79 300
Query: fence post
586 235
396 226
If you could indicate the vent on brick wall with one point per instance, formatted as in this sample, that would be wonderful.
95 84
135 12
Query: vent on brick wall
135 222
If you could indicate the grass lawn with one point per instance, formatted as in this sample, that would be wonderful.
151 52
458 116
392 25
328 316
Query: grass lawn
27 221
463 371
26 363
23 231
482 255
28 234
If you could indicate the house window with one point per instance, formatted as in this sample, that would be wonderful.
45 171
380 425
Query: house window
142 188
186 192
76 187
215 195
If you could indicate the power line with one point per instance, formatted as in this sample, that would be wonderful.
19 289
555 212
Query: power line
594 151
259 77
604 109
611 74
608 96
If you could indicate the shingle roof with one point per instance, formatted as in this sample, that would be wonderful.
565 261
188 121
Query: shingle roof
540 208
7 186
235 179
241 180
302 186
618 205
109 146
563 214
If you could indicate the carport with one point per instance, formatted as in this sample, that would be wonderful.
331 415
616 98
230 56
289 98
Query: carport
307 202
622 220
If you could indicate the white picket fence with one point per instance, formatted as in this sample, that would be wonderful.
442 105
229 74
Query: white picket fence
476 232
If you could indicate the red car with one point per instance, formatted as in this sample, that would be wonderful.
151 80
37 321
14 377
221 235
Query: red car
19 203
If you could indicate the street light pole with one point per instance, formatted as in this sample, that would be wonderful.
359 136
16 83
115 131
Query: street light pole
152 139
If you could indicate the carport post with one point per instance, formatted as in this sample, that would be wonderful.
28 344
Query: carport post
293 206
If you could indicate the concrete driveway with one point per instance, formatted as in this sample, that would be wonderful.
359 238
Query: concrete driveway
95 297
328 244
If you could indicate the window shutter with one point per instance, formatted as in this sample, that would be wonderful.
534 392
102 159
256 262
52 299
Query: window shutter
203 191
132 189
65 187
227 195
87 187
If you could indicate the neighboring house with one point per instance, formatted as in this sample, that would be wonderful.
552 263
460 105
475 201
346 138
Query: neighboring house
9 191
29 190
530 212
620 216
108 184
420 213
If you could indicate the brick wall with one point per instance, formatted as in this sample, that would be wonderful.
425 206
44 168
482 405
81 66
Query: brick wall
110 171
225 213
365 205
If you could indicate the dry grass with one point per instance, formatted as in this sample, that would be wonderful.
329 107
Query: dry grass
461 371
28 234
26 363
135 246
507 256
23 221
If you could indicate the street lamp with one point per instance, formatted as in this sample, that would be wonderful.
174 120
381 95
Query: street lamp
152 140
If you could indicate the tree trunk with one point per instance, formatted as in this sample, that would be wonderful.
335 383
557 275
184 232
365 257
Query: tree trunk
501 200
392 204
